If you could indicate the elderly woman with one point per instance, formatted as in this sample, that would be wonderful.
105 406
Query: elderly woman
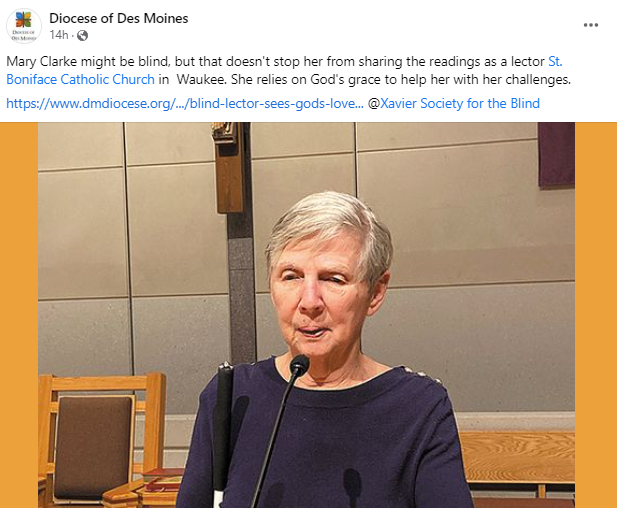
355 432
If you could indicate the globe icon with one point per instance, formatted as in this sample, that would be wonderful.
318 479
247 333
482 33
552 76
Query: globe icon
82 35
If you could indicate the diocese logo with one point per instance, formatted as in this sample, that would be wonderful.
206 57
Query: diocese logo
23 26
23 19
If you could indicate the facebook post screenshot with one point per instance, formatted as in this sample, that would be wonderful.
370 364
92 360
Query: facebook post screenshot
305 255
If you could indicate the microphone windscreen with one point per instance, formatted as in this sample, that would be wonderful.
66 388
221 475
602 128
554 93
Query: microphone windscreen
300 365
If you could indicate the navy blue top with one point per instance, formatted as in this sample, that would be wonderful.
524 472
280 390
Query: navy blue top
390 442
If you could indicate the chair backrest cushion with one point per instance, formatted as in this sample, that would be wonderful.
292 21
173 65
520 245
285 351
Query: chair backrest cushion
93 445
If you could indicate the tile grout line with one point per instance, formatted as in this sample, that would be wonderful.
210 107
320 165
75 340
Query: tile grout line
450 145
129 274
355 150
103 168
355 156
134 297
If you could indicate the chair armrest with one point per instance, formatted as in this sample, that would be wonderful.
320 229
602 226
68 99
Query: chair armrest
42 488
123 495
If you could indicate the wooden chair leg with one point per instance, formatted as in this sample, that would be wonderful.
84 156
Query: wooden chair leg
542 491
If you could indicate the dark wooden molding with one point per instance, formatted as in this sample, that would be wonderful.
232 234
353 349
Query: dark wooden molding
229 160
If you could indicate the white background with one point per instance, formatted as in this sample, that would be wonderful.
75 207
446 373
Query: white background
320 29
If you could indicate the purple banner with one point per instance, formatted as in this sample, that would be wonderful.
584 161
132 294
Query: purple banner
556 145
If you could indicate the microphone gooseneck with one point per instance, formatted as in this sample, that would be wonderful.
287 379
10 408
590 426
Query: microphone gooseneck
298 367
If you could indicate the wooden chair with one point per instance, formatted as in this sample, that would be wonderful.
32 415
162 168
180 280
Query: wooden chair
538 458
154 386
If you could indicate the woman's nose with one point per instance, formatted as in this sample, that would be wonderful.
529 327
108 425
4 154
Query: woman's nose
311 299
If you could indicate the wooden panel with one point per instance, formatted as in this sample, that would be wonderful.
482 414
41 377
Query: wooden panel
518 457
156 499
42 482
123 496
46 432
542 491
140 407
93 384
488 502
154 431
44 423
230 175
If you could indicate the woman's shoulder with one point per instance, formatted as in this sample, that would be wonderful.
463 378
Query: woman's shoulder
418 386
243 374
421 377
251 370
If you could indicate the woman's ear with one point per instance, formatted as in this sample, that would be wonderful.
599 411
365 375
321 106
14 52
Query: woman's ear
379 293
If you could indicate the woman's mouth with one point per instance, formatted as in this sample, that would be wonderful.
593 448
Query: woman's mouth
312 332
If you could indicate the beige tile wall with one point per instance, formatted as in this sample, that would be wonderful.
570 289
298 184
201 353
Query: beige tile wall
275 140
130 252
470 214
80 145
469 224
84 337
168 143
139 240
393 136
462 200
177 238
82 234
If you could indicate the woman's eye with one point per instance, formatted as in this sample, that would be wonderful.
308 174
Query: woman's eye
289 276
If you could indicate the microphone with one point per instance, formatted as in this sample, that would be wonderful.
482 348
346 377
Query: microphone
298 367
222 430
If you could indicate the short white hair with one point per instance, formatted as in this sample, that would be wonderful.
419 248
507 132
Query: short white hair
326 215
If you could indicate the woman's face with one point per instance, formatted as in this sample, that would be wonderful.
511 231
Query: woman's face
319 298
